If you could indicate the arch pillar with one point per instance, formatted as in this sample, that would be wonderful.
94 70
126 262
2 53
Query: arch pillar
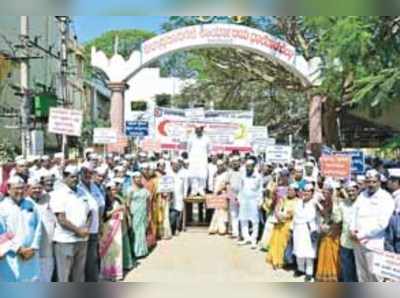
117 111
315 124
117 115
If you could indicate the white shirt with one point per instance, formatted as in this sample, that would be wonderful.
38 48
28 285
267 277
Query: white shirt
93 207
198 156
212 170
220 181
396 196
180 189
48 225
56 172
76 209
371 218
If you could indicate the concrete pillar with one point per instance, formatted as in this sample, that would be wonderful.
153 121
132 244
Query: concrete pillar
117 112
315 124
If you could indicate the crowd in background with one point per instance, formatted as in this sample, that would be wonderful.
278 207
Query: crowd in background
92 219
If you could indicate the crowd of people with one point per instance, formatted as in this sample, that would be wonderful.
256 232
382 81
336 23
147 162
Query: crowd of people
92 219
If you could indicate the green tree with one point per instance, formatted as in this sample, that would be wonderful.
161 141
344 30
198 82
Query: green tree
238 79
128 40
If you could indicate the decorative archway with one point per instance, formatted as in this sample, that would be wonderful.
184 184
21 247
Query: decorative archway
120 71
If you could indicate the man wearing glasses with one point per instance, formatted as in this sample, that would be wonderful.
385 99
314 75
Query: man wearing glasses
372 212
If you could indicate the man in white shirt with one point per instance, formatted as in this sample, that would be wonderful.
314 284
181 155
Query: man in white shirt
250 200
178 196
72 227
84 190
212 170
372 212
394 187
234 180
198 147
48 222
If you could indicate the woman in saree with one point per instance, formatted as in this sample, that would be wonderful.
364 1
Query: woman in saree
139 198
149 182
127 234
281 230
328 266
111 248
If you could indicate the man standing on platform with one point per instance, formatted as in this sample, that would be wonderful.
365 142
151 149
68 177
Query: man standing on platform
198 148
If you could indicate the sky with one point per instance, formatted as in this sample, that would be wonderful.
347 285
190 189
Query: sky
89 27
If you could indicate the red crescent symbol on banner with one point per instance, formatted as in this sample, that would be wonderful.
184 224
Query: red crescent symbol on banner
162 126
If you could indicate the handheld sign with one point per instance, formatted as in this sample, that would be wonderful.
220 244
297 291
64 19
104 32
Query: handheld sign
65 121
216 202
336 166
104 136
279 154
357 160
386 265
166 184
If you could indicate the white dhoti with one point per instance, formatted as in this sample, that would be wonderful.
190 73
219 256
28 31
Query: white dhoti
234 217
198 164
218 222
46 268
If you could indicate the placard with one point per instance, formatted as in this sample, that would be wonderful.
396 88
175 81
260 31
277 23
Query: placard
336 166
279 154
166 184
357 160
216 202
65 121
386 265
104 136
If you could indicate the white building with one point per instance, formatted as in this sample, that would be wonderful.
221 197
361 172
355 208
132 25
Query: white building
146 85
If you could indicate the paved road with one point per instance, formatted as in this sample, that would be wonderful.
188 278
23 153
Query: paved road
194 256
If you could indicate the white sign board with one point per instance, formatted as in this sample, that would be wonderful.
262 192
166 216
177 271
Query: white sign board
386 265
65 121
279 154
166 184
104 136
258 138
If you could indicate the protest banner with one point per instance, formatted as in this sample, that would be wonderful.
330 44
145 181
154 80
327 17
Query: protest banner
279 154
104 136
336 166
357 160
119 146
216 202
386 265
165 184
223 128
149 144
65 121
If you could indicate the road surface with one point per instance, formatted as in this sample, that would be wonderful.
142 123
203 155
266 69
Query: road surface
194 256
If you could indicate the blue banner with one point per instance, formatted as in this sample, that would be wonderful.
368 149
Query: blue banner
357 160
137 128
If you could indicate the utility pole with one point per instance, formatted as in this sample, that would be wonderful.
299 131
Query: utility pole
24 85
64 28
